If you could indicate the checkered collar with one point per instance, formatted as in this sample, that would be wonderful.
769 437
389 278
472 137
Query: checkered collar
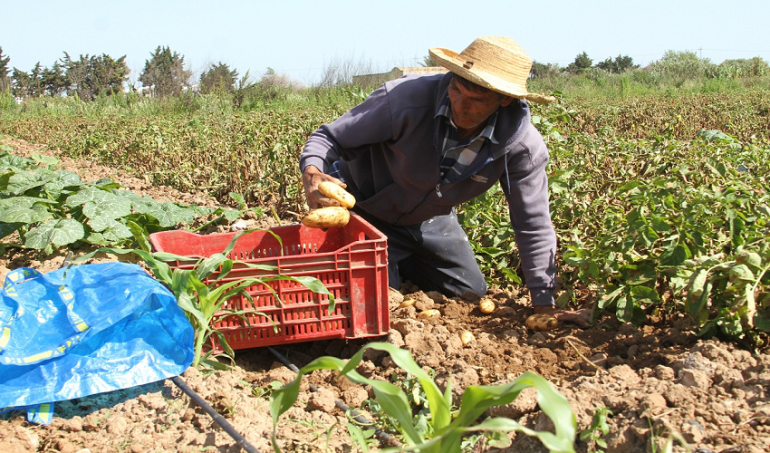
445 111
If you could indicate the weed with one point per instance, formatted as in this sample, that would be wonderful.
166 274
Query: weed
599 427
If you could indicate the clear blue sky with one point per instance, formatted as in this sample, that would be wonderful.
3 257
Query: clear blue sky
301 38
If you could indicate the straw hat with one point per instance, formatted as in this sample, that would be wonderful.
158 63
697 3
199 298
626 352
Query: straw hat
497 63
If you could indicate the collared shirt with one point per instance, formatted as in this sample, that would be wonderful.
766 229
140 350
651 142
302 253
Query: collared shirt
457 156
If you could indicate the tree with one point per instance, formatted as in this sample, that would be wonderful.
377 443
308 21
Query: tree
681 66
165 71
54 80
218 78
541 70
21 82
618 65
91 76
5 81
428 62
272 79
742 67
36 81
581 64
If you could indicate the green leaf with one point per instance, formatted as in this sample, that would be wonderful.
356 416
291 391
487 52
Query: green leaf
8 228
46 160
629 186
115 231
238 199
170 214
643 294
358 435
624 309
477 399
741 272
232 214
749 258
112 207
675 255
607 299
21 182
96 202
140 234
55 232
696 305
25 215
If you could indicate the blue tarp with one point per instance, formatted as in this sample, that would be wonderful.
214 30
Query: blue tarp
85 330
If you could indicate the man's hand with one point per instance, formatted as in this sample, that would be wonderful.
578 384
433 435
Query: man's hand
579 317
311 177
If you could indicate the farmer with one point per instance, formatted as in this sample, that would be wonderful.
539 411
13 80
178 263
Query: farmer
420 145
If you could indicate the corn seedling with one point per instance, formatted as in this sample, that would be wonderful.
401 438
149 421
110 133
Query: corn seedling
447 428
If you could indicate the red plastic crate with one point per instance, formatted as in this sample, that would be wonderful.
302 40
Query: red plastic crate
350 261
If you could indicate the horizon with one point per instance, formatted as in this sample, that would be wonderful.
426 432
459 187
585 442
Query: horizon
301 39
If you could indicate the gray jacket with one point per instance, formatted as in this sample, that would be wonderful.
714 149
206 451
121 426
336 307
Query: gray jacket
388 154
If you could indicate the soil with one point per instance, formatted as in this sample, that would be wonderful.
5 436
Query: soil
658 380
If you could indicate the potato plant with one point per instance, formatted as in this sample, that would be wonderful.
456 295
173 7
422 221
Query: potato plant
646 192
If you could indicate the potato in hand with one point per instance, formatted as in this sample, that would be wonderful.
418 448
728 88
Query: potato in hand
335 192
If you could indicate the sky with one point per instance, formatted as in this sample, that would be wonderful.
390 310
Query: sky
303 39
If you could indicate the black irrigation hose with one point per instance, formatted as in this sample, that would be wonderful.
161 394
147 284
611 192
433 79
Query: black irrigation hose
239 439
381 435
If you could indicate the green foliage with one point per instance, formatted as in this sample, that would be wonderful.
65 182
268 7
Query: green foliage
165 72
544 70
88 77
620 64
581 64
678 67
55 80
27 84
644 184
445 428
50 208
428 62
741 68
5 81
218 78
599 427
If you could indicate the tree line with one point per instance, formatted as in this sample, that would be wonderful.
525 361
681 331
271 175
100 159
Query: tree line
90 76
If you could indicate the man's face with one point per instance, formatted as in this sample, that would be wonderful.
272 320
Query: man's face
472 107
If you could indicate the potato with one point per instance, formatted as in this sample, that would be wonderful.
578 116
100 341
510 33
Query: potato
335 192
486 306
428 314
467 338
328 217
406 303
542 321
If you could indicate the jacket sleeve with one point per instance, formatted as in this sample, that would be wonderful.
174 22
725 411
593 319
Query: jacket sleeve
367 123
527 195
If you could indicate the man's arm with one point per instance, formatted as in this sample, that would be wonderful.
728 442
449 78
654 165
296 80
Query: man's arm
526 190
368 122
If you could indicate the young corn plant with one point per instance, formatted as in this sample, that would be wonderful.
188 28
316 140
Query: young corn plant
202 295
447 427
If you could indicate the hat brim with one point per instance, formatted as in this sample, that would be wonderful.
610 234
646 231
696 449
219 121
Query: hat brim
451 61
